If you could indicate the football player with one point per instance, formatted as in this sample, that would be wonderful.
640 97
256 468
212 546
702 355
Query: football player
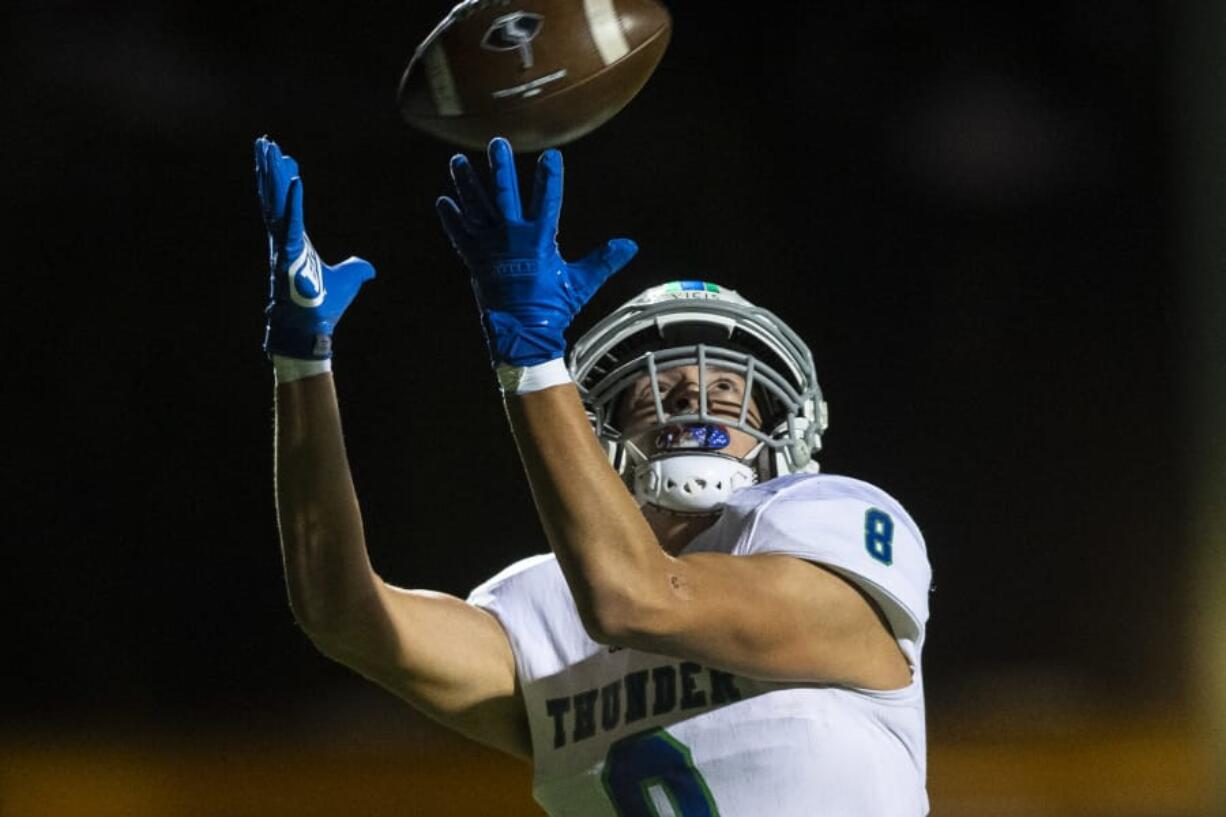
718 628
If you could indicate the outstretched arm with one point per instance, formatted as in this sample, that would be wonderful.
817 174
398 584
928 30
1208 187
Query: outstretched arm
449 659
769 616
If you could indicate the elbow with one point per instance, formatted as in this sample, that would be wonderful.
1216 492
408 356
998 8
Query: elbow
315 620
601 628
327 644
325 634
625 619
337 630
630 603
351 648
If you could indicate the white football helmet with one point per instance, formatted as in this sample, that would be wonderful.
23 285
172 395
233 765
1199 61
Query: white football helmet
694 323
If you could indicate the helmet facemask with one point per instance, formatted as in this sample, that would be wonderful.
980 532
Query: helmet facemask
672 462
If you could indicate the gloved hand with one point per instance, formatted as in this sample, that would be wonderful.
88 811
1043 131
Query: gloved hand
306 296
526 292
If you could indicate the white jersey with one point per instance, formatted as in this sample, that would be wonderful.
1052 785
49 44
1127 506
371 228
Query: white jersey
622 732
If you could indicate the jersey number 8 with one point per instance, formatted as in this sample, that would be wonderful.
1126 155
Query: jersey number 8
879 535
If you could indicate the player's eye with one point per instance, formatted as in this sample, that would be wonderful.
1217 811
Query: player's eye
646 392
644 398
663 385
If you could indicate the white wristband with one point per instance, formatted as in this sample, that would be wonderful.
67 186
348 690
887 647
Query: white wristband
289 369
525 379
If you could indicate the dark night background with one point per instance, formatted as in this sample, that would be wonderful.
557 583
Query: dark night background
967 209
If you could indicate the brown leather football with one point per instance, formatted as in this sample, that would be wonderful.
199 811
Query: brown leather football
539 72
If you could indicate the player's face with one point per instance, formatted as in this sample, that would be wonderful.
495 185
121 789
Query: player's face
679 394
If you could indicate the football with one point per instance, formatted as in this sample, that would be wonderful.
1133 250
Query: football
539 72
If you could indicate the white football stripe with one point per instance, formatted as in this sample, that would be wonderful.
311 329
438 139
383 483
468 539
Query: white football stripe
530 88
442 83
606 30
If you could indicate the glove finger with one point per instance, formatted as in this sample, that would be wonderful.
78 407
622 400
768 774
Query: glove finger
294 225
546 201
263 182
359 269
276 184
599 265
610 258
258 149
279 170
506 185
283 164
453 221
474 201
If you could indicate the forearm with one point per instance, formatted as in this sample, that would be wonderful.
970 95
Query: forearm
603 544
449 659
332 586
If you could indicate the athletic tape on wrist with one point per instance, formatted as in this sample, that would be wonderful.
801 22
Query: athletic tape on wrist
289 369
525 379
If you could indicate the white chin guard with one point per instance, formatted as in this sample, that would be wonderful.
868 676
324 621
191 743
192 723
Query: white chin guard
690 483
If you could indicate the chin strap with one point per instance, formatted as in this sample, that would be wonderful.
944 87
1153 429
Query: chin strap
691 483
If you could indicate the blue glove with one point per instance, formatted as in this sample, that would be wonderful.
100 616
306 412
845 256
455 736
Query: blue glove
306 296
526 293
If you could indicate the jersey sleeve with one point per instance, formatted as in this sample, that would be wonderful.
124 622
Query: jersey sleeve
861 533
494 593
532 603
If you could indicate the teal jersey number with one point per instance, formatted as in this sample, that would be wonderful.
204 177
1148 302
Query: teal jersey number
651 774
879 535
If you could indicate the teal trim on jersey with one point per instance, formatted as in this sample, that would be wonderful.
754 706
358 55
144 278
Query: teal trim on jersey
879 535
638 762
